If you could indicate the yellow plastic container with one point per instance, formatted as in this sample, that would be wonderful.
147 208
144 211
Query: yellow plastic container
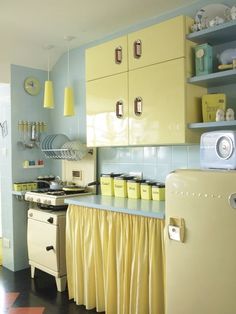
107 184
158 192
146 190
133 188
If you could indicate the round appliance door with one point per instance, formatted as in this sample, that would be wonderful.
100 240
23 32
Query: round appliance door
224 147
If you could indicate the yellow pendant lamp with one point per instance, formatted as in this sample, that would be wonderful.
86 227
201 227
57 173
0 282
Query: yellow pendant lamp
48 101
69 106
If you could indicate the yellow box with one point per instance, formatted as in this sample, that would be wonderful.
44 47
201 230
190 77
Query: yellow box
107 183
34 185
210 104
158 192
146 190
107 186
17 186
133 189
120 187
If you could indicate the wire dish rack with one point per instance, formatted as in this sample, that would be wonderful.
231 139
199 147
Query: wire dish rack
69 150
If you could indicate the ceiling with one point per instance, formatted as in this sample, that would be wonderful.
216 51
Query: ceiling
26 26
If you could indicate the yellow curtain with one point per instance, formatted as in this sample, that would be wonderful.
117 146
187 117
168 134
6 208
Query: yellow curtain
115 261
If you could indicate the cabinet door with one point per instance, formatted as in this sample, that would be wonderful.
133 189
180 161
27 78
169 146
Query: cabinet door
107 111
157 104
106 59
158 43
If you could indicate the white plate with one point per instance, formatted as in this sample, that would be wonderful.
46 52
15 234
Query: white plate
58 141
209 12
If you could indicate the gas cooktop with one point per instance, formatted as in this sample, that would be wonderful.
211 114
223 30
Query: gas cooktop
51 197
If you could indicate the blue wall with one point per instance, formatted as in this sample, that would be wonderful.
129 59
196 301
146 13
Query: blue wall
19 106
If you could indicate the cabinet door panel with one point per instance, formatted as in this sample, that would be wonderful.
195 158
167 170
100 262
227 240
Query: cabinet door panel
161 42
104 128
101 60
162 90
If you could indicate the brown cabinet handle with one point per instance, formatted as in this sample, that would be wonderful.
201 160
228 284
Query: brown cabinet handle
138 106
118 55
119 109
137 49
49 248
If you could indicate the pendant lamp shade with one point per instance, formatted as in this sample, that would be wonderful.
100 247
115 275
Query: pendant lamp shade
48 95
48 101
69 108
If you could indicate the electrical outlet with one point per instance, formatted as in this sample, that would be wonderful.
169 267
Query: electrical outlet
6 243
136 174
77 174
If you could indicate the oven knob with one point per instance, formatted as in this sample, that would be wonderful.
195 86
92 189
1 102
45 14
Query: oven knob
27 198
31 199
38 200
50 220
49 202
45 202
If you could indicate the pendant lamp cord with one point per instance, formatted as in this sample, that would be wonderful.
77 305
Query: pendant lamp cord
48 66
68 65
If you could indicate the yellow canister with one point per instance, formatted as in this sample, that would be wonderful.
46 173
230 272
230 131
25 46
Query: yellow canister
146 190
17 186
158 192
107 183
133 188
120 187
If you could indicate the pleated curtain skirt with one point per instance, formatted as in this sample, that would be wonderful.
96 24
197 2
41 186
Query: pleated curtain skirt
115 261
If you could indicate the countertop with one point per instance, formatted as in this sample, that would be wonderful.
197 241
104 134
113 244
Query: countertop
153 209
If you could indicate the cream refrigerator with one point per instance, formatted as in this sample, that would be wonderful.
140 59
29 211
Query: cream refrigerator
200 242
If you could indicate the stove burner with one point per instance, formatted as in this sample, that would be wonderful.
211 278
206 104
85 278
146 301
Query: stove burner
56 193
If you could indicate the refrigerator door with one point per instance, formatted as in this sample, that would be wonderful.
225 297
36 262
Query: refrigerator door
201 242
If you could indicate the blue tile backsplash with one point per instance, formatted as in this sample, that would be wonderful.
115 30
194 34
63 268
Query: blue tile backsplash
154 162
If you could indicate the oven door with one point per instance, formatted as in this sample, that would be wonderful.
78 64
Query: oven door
43 244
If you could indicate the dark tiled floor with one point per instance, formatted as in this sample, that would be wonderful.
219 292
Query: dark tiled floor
39 292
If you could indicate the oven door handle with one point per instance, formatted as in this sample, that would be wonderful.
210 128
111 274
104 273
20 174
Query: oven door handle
49 248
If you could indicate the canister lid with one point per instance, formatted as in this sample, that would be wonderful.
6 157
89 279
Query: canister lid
124 177
136 180
148 183
159 185
110 175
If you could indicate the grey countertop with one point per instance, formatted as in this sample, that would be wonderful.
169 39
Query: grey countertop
153 209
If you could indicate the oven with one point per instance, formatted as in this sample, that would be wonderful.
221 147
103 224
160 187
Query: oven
47 219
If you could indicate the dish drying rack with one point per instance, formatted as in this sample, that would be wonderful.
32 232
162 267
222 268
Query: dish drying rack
70 150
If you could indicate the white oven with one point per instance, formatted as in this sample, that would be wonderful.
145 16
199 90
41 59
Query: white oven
46 243
47 221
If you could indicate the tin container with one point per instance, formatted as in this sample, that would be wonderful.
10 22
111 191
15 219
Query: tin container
107 183
17 186
120 185
158 192
203 59
133 188
146 190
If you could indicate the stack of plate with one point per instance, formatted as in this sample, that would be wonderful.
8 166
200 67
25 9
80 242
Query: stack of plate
75 150
52 143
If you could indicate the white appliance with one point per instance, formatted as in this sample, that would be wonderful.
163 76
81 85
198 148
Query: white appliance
217 150
200 242
46 243
47 220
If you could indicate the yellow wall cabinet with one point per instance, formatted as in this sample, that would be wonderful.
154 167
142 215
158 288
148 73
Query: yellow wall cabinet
149 101
107 59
